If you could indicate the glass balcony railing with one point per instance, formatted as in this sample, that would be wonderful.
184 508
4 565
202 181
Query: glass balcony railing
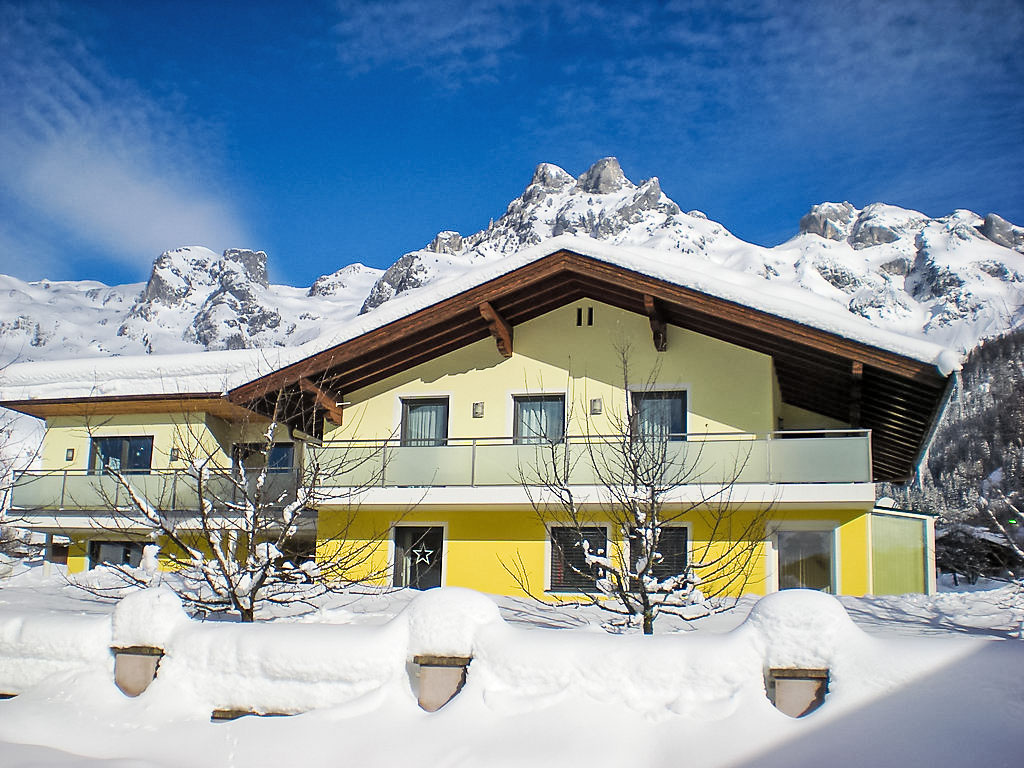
821 456
830 456
73 490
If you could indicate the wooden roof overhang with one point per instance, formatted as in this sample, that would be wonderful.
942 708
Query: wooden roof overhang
209 402
897 397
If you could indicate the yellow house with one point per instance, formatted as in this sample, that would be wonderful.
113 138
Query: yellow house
441 435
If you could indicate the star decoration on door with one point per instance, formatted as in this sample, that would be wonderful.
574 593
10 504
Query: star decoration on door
422 555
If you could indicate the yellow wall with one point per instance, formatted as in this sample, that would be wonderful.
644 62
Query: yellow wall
196 435
729 388
483 544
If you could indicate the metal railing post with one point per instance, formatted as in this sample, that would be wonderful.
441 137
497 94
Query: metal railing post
174 489
768 457
63 488
383 463
472 464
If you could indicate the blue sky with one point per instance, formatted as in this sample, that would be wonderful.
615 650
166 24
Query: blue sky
332 132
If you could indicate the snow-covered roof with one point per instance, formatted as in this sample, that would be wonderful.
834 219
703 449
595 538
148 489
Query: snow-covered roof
217 372
697 274
136 375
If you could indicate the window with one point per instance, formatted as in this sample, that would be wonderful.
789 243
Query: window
425 421
539 419
660 415
115 553
805 560
569 569
418 551
672 547
121 454
280 458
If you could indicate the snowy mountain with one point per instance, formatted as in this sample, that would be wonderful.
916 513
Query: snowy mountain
194 299
953 280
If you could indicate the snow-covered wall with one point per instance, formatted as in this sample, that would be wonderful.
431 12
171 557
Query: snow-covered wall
296 667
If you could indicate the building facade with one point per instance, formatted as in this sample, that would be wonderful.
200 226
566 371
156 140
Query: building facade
443 434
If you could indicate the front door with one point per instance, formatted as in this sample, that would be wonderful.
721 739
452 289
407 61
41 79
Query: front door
805 560
418 556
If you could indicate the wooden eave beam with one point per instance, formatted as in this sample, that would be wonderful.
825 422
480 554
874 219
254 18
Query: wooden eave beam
331 406
856 387
659 332
500 329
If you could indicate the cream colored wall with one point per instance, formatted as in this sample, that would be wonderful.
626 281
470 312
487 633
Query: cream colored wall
195 434
729 388
801 418
187 431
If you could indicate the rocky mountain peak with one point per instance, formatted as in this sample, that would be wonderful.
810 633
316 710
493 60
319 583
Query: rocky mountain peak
1001 232
550 176
338 283
602 203
250 265
446 242
603 177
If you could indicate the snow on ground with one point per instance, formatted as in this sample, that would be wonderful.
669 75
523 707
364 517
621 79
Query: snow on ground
916 680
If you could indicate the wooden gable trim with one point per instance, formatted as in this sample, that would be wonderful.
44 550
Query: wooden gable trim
500 329
893 395
331 405
659 331
444 314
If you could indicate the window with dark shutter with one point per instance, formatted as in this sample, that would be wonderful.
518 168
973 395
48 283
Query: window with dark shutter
672 547
569 569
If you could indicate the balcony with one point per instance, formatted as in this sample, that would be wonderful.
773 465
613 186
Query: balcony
821 456
169 490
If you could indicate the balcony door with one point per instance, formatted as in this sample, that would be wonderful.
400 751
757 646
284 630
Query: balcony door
418 551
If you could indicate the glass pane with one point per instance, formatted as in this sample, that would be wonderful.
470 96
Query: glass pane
280 458
805 560
661 415
425 422
138 454
897 554
127 454
540 419
418 553
106 453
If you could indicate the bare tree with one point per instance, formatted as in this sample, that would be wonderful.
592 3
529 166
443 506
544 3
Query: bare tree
650 482
246 535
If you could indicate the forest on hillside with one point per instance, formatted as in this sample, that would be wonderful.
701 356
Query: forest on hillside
976 460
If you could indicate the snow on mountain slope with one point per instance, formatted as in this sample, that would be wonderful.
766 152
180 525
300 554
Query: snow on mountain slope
952 280
194 300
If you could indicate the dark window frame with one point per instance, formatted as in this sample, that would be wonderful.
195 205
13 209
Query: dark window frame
419 442
639 395
98 466
517 436
568 569
132 552
669 565
240 452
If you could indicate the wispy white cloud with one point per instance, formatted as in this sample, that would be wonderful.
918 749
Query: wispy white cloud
90 154
674 69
